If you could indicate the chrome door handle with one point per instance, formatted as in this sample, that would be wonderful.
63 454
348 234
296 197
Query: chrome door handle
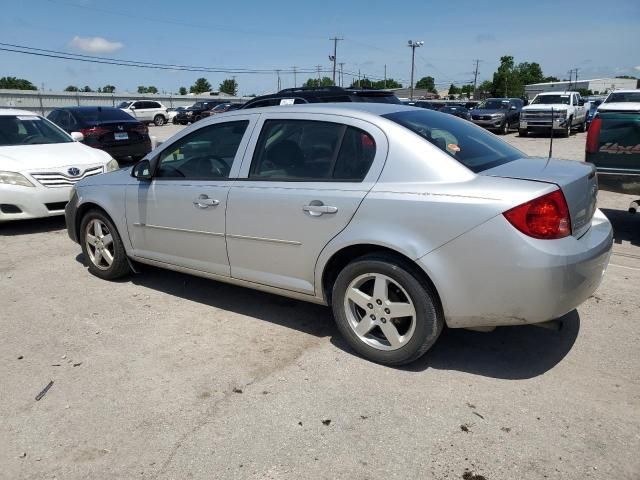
317 210
203 201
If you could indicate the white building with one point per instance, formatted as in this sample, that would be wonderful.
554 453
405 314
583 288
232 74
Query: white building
599 86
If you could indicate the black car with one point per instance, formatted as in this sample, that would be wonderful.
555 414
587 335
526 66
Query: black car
457 110
501 114
221 108
291 96
195 111
430 105
107 128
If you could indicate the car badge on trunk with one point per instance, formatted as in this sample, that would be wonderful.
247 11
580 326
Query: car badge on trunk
120 127
73 171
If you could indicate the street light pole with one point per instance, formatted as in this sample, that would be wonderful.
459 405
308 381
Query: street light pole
413 45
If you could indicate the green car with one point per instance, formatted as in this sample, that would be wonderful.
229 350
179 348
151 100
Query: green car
613 146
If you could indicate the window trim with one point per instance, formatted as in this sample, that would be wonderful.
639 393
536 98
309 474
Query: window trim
261 139
242 146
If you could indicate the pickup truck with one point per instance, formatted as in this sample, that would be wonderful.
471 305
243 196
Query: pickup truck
613 144
568 112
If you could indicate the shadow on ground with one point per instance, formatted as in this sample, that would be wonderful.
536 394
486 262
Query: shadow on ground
28 227
508 352
626 226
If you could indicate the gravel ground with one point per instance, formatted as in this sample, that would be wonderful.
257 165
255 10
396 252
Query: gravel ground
167 376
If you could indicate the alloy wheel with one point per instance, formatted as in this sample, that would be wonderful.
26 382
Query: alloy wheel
99 243
380 311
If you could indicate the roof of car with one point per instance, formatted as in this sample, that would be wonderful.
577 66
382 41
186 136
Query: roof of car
15 111
346 108
87 108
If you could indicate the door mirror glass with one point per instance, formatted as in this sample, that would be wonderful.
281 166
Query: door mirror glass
142 170
77 136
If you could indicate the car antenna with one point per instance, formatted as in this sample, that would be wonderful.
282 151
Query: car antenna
551 140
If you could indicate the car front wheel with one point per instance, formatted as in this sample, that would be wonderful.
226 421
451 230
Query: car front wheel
158 120
102 246
385 310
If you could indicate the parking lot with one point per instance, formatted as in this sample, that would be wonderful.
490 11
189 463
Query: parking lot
168 376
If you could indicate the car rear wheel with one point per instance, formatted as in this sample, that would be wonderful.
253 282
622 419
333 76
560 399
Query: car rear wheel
385 310
583 127
102 246
158 120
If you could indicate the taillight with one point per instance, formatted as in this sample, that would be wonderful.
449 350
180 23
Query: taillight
143 129
93 132
545 217
593 135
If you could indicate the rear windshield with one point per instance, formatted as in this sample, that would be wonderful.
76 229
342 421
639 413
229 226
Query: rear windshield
619 133
102 115
623 97
472 146
376 98
29 130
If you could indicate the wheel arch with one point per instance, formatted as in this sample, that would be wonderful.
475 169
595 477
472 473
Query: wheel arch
340 258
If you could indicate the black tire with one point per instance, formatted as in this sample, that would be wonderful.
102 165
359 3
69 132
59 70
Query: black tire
158 120
583 127
504 128
566 133
523 132
120 265
429 319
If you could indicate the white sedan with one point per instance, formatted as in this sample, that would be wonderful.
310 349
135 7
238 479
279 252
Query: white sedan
39 163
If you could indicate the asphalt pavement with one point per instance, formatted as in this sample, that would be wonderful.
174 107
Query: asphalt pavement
168 376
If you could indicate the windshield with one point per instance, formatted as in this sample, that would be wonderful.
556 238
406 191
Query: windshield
124 104
623 97
102 115
495 105
29 130
472 146
551 99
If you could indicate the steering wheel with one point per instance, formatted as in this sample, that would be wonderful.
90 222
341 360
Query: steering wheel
216 165
173 169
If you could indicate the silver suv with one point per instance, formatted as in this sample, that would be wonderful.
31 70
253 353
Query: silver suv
402 219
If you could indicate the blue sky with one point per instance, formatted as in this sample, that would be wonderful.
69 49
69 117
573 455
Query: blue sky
600 38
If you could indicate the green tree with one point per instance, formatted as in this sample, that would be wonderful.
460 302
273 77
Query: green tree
550 79
527 74
14 83
427 83
108 89
505 80
152 89
485 88
201 86
86 88
142 89
182 91
72 88
229 86
467 90
453 90
390 83
314 82
585 92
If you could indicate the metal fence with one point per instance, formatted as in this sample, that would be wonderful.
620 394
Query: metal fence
44 102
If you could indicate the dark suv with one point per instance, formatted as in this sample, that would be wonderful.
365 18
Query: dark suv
291 96
499 114
195 111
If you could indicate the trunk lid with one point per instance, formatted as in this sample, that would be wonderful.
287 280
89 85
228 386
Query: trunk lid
577 180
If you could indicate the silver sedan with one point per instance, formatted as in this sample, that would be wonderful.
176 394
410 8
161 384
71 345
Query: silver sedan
402 219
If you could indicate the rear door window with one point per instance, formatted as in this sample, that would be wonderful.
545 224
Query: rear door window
470 145
306 150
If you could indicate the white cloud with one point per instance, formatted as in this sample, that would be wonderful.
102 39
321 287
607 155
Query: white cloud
637 67
95 44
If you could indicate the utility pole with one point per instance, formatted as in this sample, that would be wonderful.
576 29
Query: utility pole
359 82
318 67
295 76
385 76
341 73
413 45
278 74
475 79
334 56
576 69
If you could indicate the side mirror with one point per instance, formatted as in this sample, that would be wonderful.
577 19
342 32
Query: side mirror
132 107
142 170
77 136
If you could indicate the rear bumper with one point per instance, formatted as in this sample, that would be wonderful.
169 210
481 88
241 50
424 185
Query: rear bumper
617 182
494 275
132 149
19 203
